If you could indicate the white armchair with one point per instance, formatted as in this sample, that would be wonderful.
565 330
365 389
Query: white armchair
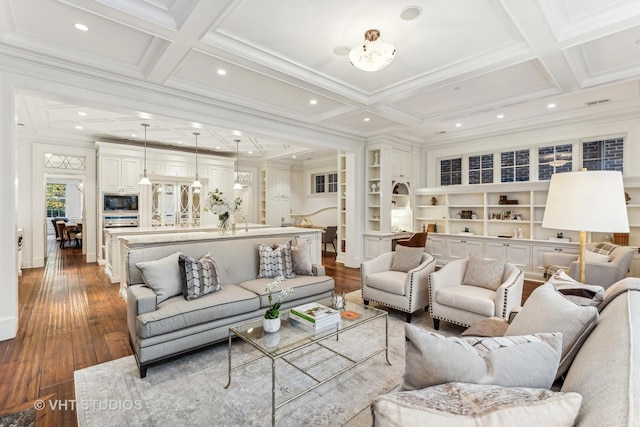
601 273
454 302
407 292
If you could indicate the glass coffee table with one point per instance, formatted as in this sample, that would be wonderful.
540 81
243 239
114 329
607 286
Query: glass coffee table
293 337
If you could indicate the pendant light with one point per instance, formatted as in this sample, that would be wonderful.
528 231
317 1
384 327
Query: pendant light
197 185
144 180
237 185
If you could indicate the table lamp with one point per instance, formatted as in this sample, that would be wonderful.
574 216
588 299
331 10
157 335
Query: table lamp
585 201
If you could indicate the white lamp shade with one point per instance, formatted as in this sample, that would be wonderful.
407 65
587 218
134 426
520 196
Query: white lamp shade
373 54
237 186
587 201
196 184
144 181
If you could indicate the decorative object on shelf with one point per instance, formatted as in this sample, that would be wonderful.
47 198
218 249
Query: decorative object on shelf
373 188
434 201
504 201
587 201
145 180
375 158
222 206
271 321
506 215
432 228
458 215
559 235
621 239
466 229
466 214
474 216
520 233
373 54
627 197
516 216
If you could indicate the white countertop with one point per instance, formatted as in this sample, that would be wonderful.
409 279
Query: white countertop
133 231
151 239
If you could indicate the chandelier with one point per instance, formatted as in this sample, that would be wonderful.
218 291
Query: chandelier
374 54
145 180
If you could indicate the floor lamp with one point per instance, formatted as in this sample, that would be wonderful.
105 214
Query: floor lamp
588 201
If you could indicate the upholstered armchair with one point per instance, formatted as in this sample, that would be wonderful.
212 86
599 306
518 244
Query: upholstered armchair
406 290
456 297
604 267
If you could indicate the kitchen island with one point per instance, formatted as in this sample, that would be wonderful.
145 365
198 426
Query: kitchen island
112 241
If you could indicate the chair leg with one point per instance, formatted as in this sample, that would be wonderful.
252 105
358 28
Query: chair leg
436 324
426 308
366 302
409 317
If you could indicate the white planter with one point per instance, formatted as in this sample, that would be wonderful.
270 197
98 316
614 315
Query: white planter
271 325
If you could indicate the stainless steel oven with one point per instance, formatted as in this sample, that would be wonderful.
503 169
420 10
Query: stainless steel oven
115 221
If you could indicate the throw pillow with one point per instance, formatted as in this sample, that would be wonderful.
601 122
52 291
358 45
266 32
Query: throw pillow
491 327
163 276
275 262
301 258
576 292
199 277
593 257
406 258
473 405
546 310
523 361
485 273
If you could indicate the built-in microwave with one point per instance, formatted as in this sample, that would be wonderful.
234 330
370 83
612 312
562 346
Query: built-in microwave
120 202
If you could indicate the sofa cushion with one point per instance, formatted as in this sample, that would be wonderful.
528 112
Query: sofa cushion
406 258
301 258
594 257
546 310
303 287
275 261
468 298
472 405
199 277
163 276
388 281
523 361
485 273
177 313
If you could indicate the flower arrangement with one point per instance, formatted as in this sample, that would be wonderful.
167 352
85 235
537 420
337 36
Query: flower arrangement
222 206
273 312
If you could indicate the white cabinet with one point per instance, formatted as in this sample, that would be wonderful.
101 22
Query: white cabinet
279 183
518 254
275 196
120 174
278 211
174 168
538 251
375 245
401 164
463 248
436 246
297 192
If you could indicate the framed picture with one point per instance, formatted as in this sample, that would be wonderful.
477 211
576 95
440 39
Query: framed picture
496 215
431 228
506 215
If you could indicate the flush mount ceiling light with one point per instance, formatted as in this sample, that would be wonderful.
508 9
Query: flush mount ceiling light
197 185
374 54
144 180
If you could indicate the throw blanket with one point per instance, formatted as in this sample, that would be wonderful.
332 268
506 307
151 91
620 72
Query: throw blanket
603 248
550 270
618 288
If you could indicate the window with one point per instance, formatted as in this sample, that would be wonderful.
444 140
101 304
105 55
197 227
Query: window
603 155
481 169
514 166
451 171
56 200
324 183
554 159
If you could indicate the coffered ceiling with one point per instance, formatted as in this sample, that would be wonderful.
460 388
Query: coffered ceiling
462 67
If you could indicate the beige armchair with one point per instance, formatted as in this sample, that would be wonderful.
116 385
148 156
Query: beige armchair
404 291
601 273
454 302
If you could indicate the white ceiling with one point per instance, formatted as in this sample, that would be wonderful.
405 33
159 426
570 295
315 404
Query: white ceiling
459 62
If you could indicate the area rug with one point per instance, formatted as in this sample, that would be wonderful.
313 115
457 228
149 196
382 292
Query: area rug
190 390
26 418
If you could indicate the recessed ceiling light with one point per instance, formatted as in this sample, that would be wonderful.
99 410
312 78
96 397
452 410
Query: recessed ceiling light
412 12
249 152
78 127
552 105
341 50
82 113
179 142
313 102
81 27
500 116
367 119
221 72
218 148
133 135
293 157
458 125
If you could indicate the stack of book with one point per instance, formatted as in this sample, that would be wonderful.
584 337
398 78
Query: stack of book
315 315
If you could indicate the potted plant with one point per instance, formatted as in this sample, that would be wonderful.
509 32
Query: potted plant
271 321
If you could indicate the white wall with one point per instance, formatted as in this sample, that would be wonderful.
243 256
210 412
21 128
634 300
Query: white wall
320 209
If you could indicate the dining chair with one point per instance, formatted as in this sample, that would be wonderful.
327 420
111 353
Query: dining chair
329 236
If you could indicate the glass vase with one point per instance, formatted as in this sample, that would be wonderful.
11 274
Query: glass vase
224 224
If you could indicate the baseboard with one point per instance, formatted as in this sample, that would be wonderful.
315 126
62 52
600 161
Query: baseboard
8 328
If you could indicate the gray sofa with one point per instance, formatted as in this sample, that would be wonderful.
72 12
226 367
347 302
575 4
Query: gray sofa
158 331
604 373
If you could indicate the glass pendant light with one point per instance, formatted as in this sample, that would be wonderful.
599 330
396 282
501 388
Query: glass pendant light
237 185
197 185
145 180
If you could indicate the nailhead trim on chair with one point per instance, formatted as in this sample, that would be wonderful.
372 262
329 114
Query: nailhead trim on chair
506 294
410 291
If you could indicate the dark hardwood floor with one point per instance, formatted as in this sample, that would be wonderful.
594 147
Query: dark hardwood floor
71 317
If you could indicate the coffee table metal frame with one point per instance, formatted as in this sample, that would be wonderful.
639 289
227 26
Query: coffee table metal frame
297 337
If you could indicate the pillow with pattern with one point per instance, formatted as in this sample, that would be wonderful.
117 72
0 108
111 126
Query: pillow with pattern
301 258
406 258
275 262
484 273
199 277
